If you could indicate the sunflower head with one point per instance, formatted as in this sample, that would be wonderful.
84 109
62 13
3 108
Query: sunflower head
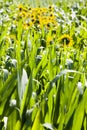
51 8
66 40
22 8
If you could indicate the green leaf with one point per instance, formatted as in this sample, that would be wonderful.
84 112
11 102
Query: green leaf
18 125
57 77
69 115
24 80
12 119
36 124
1 84
78 117
26 96
85 123
8 87
57 103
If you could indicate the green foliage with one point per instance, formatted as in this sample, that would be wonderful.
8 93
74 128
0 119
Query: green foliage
43 79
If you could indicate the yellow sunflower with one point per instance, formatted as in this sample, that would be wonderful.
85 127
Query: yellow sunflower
22 8
66 40
27 25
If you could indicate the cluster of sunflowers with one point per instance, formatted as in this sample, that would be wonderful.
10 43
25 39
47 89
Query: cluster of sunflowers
42 17
37 17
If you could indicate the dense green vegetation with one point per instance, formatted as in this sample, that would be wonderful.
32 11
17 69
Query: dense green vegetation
43 65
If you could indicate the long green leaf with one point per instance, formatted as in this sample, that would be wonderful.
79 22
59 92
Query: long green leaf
36 124
79 113
26 96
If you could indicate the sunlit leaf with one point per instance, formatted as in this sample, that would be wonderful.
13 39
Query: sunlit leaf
36 124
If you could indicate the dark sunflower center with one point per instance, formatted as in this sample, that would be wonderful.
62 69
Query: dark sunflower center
66 41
